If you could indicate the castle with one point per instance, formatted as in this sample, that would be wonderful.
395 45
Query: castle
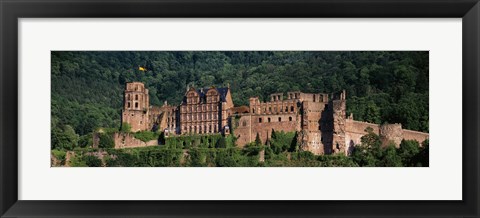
319 119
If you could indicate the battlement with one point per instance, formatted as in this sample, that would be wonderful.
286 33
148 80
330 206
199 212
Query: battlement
319 119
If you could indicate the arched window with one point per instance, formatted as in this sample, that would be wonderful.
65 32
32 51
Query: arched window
253 110
260 120
129 97
289 118
269 119
279 119
136 104
129 105
291 108
136 97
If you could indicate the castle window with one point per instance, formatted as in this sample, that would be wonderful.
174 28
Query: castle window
279 119
129 97
136 97
253 110
289 118
259 120
291 108
136 104
129 105
286 109
215 128
244 123
269 109
269 119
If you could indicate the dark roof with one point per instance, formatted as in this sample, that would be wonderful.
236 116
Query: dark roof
202 92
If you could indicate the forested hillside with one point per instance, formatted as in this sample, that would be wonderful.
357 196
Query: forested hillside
87 87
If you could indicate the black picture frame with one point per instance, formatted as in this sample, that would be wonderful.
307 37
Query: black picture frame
11 11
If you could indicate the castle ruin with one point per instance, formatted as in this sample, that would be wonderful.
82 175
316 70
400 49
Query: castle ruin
319 119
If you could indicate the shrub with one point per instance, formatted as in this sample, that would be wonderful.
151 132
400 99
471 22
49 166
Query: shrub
146 136
126 127
60 156
105 141
92 161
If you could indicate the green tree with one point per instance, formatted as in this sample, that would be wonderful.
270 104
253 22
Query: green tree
64 138
391 159
221 143
105 141
258 141
408 150
126 127
92 161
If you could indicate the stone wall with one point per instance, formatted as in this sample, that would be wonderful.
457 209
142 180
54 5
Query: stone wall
391 133
138 120
415 135
355 130
249 125
311 138
339 144
388 133
126 140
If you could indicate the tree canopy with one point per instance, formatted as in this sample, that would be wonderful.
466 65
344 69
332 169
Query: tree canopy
87 87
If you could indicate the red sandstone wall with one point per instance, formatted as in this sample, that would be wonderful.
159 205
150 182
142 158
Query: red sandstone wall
138 120
249 126
126 140
354 130
414 135
312 140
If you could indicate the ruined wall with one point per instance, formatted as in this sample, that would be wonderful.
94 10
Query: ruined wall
387 132
163 118
391 133
354 130
136 106
339 117
138 120
126 140
310 137
249 125
414 135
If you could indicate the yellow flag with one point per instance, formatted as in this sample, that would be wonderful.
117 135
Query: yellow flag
142 69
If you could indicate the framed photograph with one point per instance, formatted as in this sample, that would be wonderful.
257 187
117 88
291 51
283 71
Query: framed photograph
227 108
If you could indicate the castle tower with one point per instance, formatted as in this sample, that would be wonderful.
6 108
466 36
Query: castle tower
339 116
136 106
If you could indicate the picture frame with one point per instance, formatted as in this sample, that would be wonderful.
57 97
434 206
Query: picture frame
10 206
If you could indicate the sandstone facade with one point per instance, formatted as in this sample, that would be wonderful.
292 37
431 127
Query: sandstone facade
319 119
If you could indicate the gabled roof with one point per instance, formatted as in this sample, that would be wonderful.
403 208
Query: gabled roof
202 93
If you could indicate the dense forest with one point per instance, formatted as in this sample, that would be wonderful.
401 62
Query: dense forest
87 87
